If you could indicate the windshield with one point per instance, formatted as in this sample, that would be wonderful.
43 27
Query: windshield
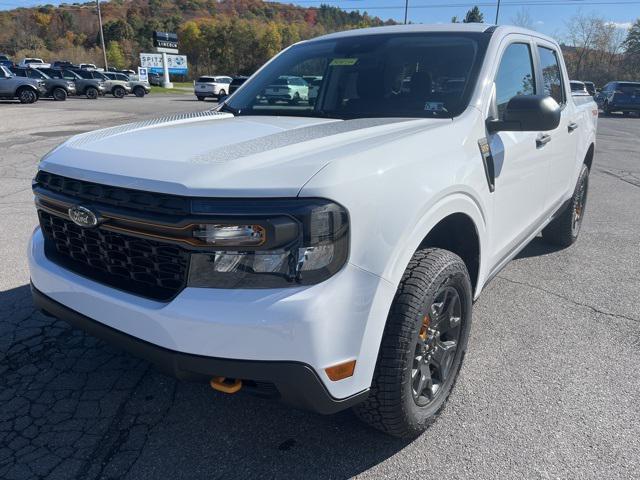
5 72
383 75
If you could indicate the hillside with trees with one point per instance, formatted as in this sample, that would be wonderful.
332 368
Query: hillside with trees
230 36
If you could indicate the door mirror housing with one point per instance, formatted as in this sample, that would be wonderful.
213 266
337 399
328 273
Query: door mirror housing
528 113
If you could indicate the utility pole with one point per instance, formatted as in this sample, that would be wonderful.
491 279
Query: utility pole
104 50
497 12
406 10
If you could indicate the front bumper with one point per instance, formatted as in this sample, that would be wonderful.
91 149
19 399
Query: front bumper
294 383
317 326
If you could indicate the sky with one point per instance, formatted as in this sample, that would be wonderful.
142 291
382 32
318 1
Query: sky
547 16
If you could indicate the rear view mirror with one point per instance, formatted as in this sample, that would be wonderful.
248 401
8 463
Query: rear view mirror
528 113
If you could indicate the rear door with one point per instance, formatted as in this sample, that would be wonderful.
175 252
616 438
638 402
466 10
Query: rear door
521 166
562 148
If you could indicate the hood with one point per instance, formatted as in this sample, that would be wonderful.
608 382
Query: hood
216 154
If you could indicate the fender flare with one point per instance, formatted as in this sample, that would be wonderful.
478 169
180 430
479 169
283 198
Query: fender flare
457 202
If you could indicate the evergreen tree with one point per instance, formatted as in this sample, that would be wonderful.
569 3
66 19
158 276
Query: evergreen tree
474 16
632 42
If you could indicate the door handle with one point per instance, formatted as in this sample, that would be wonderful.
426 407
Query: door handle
542 140
572 126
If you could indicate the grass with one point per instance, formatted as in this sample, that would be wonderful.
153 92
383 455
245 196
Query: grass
179 88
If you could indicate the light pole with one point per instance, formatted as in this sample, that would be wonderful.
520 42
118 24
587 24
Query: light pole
104 51
406 10
498 12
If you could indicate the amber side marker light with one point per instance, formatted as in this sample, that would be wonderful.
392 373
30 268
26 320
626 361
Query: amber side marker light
340 371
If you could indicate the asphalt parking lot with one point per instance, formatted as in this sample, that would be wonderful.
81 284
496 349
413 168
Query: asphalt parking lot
550 387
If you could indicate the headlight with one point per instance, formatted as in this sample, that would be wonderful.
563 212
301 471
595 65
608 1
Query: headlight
71 84
285 243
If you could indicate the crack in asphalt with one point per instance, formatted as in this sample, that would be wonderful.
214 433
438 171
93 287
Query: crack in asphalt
621 176
570 300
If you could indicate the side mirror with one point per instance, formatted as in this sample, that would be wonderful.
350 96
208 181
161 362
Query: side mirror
528 113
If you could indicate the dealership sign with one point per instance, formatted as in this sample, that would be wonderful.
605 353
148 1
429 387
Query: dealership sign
153 61
166 42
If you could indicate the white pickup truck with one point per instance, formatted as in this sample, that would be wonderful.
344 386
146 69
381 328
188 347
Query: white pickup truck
327 254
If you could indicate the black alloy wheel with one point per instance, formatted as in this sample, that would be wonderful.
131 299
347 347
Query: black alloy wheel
436 346
579 204
139 91
26 95
59 94
91 93
119 92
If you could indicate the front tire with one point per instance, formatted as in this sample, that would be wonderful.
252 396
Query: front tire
26 95
423 345
565 228
119 92
91 93
139 92
59 94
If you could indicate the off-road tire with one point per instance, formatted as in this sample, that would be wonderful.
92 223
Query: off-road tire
92 93
59 94
118 92
139 92
26 95
390 406
563 230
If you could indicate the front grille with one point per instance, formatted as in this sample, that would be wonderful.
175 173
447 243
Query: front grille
143 267
136 200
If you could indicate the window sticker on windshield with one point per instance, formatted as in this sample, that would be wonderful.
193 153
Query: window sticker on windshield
343 62
434 106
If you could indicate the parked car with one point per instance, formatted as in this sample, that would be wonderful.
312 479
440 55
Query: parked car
33 62
88 66
139 88
326 255
155 79
117 88
619 97
211 86
88 87
63 64
288 88
236 83
57 88
578 87
26 90
591 88
5 61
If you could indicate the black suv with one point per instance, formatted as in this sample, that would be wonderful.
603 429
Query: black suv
619 97
57 88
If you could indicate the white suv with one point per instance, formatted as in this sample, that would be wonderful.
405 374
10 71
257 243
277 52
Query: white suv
215 87
327 254
289 88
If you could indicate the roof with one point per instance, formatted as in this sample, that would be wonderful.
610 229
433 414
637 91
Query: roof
440 27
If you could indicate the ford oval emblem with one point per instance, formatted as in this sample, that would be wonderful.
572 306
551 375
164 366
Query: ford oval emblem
82 216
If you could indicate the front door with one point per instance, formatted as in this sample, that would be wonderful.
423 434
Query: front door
521 160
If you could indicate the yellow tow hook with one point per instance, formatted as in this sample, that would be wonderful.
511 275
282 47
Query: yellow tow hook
224 385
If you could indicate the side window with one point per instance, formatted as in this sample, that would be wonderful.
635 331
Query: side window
20 73
551 74
515 75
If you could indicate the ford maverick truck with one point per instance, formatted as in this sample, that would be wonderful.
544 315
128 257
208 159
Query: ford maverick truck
324 253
